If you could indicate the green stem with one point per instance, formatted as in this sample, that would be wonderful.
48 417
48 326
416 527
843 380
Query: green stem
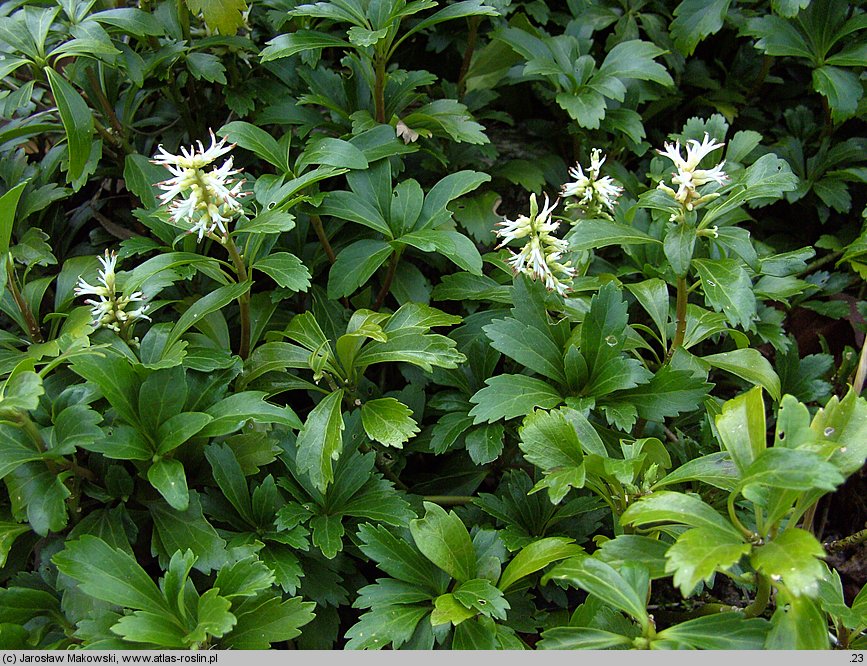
763 596
105 104
473 22
32 325
379 63
680 315
386 284
244 299
449 500
316 221
816 265
733 516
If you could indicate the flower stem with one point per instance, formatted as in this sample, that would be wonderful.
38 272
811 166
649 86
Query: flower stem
244 299
847 542
449 500
386 284
680 315
32 324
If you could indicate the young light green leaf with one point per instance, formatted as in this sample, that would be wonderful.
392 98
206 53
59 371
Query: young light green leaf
536 556
603 581
443 539
741 427
670 507
723 631
792 559
225 16
699 553
388 421
169 478
748 364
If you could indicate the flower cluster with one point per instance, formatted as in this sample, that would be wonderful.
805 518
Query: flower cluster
540 257
594 194
206 200
688 177
110 308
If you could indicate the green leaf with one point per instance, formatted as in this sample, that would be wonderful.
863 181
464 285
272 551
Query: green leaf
723 631
245 578
635 549
269 221
15 449
77 119
715 469
388 421
728 289
797 624
256 140
116 380
9 532
670 507
8 206
332 152
741 427
587 107
267 619
411 346
153 628
291 43
233 412
381 626
206 66
509 396
844 422
225 16
679 245
603 581
485 443
39 496
481 596
110 574
321 440
523 343
230 478
395 556
453 245
187 530
536 556
169 478
696 19
204 306
286 269
699 553
161 396
328 534
443 539
447 117
179 428
633 59
669 393
448 610
748 364
793 560
355 265
582 638
842 89
549 441
791 469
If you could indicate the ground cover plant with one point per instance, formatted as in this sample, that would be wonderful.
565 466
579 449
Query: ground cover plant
388 324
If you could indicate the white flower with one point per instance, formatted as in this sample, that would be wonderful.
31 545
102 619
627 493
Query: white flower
540 257
594 194
688 177
206 200
110 309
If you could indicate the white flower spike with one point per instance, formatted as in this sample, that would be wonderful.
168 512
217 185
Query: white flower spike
688 177
540 257
205 200
596 196
110 310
